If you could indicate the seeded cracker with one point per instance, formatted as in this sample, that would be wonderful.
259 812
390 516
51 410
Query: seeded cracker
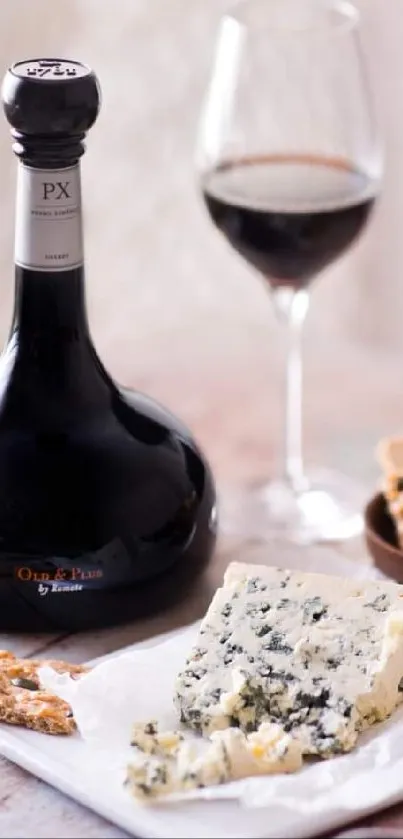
24 703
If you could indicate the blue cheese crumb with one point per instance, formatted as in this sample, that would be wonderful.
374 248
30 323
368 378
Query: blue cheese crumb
146 738
228 755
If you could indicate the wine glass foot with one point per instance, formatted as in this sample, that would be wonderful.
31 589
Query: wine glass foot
329 509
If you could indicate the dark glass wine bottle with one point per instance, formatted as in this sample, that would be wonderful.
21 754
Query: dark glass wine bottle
107 506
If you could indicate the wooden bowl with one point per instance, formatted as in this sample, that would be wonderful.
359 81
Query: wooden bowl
381 539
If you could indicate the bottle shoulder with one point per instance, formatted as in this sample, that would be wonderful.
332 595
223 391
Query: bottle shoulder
94 461
71 387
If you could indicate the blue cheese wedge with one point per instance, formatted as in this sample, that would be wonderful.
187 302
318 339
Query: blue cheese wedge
321 656
229 755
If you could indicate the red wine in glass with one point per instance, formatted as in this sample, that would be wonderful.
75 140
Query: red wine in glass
289 216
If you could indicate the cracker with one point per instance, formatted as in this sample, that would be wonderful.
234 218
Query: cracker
22 700
389 454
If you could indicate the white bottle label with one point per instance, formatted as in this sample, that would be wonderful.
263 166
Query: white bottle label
48 235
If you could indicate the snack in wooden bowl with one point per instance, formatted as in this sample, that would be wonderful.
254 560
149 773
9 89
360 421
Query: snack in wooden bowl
384 512
381 538
389 454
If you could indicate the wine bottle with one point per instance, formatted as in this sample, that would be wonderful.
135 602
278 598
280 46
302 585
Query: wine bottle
107 506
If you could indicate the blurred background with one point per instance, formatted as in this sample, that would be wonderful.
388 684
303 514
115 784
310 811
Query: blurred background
173 310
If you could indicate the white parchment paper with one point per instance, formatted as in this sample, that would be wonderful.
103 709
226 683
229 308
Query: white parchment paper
138 685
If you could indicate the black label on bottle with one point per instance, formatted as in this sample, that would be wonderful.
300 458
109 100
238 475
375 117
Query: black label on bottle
60 580
112 566
108 567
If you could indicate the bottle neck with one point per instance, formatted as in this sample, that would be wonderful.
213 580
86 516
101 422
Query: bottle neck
49 271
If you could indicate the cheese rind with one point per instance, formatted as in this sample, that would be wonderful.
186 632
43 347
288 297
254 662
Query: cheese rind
322 656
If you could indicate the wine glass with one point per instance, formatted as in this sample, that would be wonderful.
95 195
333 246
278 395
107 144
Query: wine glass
289 165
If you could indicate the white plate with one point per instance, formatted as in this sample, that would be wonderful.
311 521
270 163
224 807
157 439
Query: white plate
58 762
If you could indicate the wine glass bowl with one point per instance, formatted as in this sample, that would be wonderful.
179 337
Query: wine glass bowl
289 165
289 239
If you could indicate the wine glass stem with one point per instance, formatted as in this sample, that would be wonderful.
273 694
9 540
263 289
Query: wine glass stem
292 306
293 409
